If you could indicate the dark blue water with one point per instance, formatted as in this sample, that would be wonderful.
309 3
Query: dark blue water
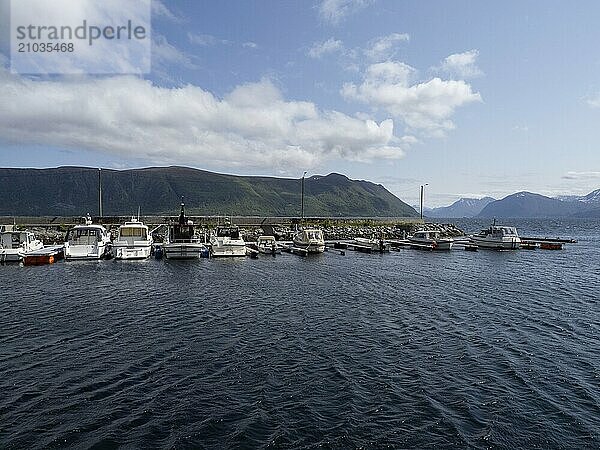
409 349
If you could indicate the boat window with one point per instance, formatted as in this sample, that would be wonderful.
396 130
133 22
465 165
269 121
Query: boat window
133 232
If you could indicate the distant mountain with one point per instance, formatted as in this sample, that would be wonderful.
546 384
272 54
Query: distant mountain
527 204
465 207
157 190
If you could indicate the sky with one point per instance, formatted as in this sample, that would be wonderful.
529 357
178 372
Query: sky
471 98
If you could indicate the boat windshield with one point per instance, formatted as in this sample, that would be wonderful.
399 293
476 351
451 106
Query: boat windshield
181 232
134 232
314 234
230 232
83 236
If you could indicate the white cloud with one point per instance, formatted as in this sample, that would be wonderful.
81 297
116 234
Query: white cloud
591 175
462 65
252 126
161 10
334 11
384 48
593 101
250 44
426 106
319 49
205 40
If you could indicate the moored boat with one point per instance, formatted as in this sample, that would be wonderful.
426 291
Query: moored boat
227 241
430 240
133 241
182 240
497 237
87 241
372 244
15 244
267 245
310 239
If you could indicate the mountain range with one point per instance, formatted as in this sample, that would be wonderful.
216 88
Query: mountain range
523 205
70 191
465 207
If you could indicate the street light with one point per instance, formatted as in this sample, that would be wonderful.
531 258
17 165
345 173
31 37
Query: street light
422 193
302 197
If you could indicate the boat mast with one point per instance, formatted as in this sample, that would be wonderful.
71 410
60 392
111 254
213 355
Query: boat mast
182 220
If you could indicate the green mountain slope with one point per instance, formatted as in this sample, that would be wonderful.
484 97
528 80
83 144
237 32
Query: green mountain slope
157 190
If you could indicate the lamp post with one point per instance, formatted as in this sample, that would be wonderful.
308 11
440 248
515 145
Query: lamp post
422 194
100 192
302 199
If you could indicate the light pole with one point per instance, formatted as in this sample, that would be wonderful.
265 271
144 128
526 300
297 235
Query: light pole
422 193
100 192
302 199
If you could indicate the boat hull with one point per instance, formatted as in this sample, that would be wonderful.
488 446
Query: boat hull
504 244
312 247
11 256
183 251
83 252
228 250
135 252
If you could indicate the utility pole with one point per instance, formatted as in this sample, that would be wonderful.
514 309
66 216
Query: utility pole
100 192
302 201
422 194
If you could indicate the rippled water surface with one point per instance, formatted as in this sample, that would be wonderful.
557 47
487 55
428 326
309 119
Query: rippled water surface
409 349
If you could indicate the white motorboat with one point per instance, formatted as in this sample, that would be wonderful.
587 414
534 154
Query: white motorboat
267 245
430 240
310 239
226 241
87 241
133 241
14 245
371 244
497 237
182 240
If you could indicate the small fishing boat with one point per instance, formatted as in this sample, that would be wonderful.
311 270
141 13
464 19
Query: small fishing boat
87 241
227 241
267 245
371 244
182 240
497 237
14 245
310 239
424 239
133 241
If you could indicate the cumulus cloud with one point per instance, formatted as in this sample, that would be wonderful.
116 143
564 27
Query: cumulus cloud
251 126
426 106
319 49
334 11
462 65
384 47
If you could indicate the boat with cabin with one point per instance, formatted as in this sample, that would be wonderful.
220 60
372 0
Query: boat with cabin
134 241
497 237
267 245
227 241
431 240
15 244
87 241
310 239
182 240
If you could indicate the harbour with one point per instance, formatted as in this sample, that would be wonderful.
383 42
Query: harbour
416 348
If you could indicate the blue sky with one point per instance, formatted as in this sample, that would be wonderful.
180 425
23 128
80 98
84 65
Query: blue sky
473 98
